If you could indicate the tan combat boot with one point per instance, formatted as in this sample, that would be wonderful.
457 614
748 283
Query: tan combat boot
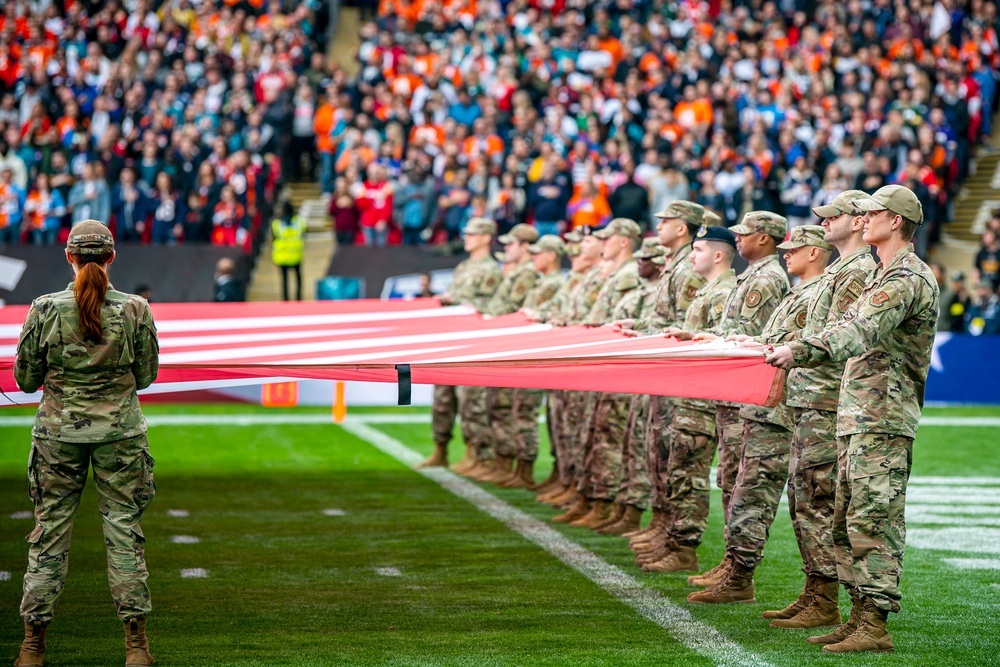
805 597
482 469
822 610
871 636
551 483
581 508
617 512
136 646
845 630
567 499
548 497
467 461
681 559
737 587
33 646
438 459
657 522
523 478
657 550
629 520
599 512
503 467
713 576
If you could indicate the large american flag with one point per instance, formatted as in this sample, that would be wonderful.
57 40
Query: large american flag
209 345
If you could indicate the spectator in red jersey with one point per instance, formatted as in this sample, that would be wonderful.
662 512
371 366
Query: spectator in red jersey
228 219
374 201
344 211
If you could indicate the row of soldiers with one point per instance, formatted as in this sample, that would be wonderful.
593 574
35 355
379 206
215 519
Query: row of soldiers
855 337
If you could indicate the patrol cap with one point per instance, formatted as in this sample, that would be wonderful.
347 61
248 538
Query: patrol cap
90 237
762 222
480 226
520 233
574 236
547 243
620 227
896 198
711 218
650 249
806 235
842 203
500 256
687 211
716 233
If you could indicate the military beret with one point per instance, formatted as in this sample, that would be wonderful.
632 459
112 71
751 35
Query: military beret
716 233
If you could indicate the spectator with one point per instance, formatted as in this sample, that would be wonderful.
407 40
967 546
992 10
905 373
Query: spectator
228 286
588 208
631 200
454 204
130 207
955 301
288 234
303 134
167 204
983 315
344 212
44 209
549 198
988 258
797 191
413 205
228 219
506 204
89 198
374 199
11 207
197 220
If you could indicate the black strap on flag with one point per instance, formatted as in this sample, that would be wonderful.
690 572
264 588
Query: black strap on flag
403 380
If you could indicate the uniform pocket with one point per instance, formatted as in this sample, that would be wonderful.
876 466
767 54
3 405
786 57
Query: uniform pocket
147 488
34 486
35 536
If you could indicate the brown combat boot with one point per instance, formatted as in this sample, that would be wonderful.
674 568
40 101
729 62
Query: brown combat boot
33 647
550 483
658 550
617 511
599 512
805 597
136 646
567 499
548 497
483 469
581 508
468 460
822 610
523 478
713 576
871 636
629 520
659 518
845 630
737 587
680 559
503 467
438 459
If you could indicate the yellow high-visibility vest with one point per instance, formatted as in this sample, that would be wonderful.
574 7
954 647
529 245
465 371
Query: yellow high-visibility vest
289 241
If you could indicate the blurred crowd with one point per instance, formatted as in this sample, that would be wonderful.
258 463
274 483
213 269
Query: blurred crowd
564 113
971 303
170 119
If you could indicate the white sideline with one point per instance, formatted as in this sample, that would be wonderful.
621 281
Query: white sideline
650 603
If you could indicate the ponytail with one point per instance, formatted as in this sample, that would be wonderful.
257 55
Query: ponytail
89 289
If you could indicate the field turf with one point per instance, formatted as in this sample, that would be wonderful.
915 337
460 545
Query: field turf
317 548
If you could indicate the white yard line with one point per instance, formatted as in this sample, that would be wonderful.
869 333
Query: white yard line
650 603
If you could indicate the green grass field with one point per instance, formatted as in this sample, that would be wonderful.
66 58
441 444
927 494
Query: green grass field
321 549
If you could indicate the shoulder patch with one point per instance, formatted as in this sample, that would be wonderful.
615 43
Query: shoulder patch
851 294
754 298
885 298
690 291
800 320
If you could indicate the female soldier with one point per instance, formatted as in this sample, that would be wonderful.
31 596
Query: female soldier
91 348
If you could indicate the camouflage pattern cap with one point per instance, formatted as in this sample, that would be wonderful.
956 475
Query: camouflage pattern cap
521 233
896 198
549 242
806 235
687 211
574 236
716 233
762 222
651 249
620 227
500 256
711 218
480 226
842 203
90 237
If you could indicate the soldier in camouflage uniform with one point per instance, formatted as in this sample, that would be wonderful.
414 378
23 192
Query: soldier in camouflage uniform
546 256
633 491
759 290
602 460
675 290
494 462
569 405
886 337
813 394
473 283
767 432
690 442
90 360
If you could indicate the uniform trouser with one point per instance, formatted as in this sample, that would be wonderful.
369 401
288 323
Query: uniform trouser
658 450
474 412
500 402
812 488
730 435
869 529
603 461
553 415
688 493
574 430
123 475
527 407
759 485
635 485
582 431
443 413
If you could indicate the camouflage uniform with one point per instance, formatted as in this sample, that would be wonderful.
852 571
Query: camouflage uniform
509 298
813 394
620 298
767 434
759 290
89 415
690 444
473 284
886 337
